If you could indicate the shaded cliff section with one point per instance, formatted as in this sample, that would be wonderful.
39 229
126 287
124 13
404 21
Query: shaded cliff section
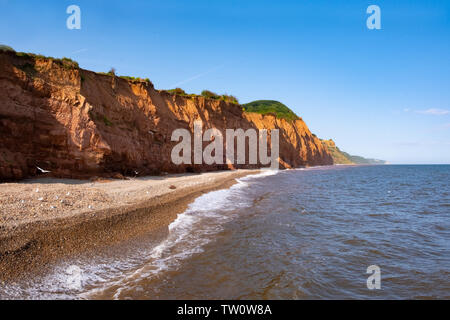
79 124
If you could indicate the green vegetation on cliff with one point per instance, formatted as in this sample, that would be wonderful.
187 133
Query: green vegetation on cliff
6 48
178 91
66 63
225 97
135 79
271 107
362 160
181 92
206 94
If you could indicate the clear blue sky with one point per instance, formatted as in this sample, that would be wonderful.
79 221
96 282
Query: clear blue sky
378 93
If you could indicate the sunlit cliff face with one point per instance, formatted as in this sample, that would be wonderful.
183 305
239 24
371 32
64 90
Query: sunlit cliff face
77 123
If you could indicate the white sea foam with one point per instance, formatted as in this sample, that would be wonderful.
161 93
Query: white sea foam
262 174
187 236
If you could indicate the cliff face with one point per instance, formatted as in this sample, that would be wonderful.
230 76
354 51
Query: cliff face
76 123
338 156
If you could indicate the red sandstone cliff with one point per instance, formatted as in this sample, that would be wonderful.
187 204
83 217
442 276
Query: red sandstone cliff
77 123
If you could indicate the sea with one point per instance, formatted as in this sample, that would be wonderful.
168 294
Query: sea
333 232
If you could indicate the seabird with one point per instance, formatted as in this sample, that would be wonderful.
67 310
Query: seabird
42 170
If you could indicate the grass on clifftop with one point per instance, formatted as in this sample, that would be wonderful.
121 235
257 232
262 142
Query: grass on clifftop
180 92
225 97
206 94
135 79
6 48
66 63
271 107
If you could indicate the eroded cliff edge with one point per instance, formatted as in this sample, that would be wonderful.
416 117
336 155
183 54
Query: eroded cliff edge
78 124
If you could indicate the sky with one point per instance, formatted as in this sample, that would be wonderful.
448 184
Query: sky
381 94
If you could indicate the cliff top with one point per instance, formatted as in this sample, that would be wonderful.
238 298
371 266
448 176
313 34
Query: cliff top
271 107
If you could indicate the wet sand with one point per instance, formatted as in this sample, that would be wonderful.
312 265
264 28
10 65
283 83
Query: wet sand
44 220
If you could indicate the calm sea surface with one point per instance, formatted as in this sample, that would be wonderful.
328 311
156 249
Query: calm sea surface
297 234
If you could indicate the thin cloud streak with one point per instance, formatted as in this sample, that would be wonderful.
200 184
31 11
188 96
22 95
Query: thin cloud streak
434 112
79 51
197 76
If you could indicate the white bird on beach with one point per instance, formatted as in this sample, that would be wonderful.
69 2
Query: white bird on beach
42 170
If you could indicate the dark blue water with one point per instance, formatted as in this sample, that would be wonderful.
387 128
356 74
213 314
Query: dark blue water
311 234
298 234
